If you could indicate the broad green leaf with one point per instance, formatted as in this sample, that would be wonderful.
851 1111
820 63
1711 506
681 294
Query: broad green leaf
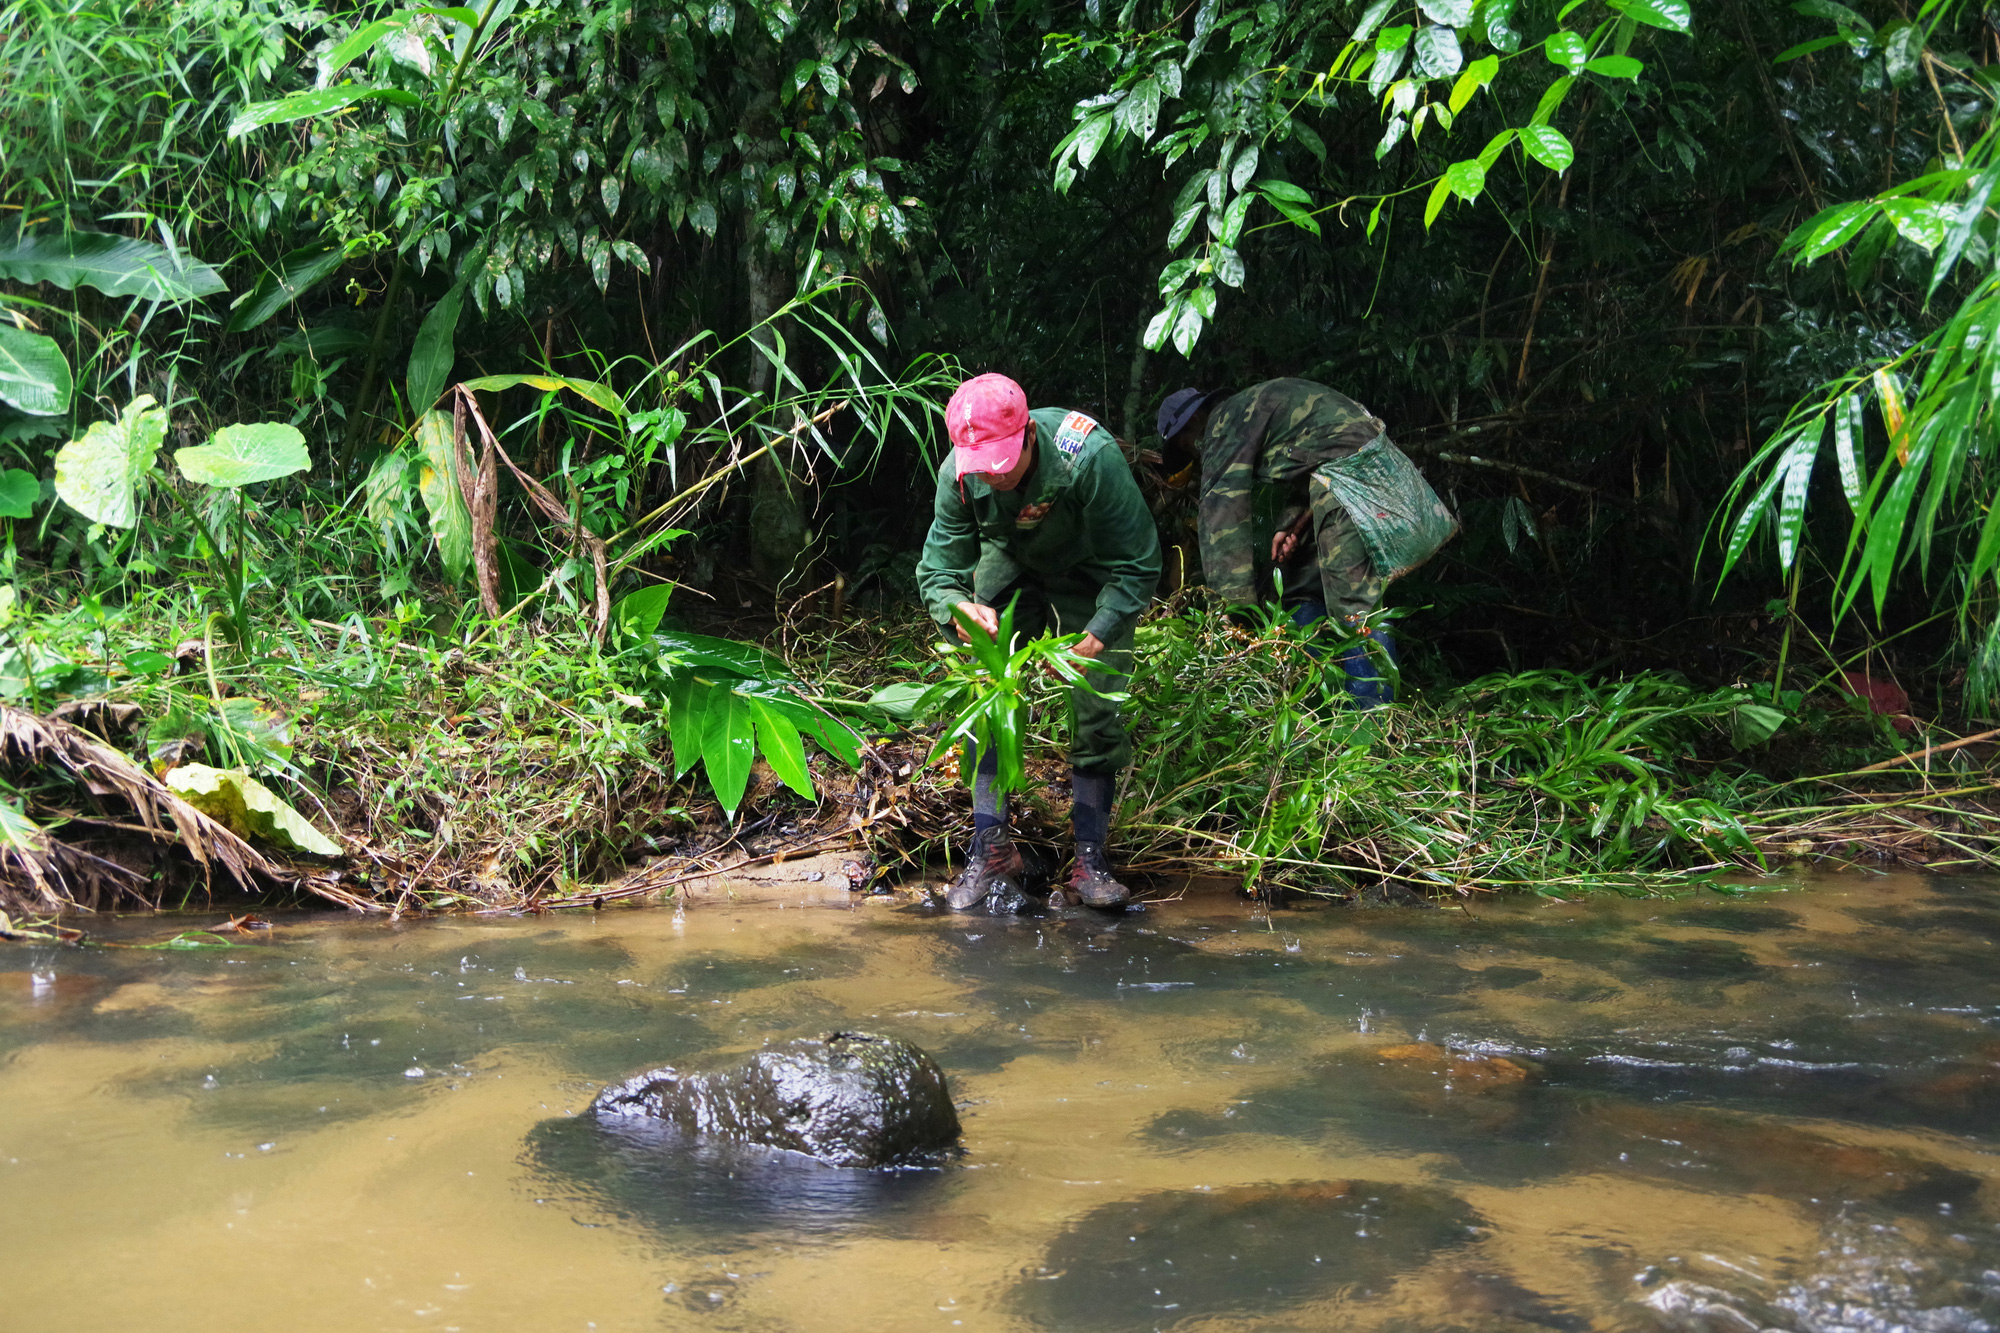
1548 146
1552 99
358 44
34 374
432 357
98 474
19 492
1394 39
1902 47
1495 146
385 497
245 806
599 395
1158 327
1276 190
1451 13
1184 224
147 662
319 102
729 747
900 701
1466 179
1392 134
1830 229
1477 75
115 265
783 751
686 700
1805 48
1139 112
1437 53
1388 63
1921 222
1371 18
678 649
257 733
837 739
437 482
1496 18
637 614
322 344
1847 447
1187 329
1616 67
1299 217
1565 48
1440 192
297 273
1090 137
1673 15
243 455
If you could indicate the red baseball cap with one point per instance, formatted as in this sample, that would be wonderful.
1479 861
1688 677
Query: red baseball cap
988 419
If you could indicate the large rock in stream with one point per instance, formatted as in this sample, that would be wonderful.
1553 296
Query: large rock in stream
847 1099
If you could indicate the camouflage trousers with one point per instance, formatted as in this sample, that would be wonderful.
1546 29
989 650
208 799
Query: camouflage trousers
1337 572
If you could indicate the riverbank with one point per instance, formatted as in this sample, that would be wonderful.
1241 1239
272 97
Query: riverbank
461 766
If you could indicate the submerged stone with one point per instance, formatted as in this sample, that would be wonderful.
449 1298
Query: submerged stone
847 1099
1181 1255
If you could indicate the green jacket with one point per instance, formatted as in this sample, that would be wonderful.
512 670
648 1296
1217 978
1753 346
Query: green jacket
1261 446
1076 519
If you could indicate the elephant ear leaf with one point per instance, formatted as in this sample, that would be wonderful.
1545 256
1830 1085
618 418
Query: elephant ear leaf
34 375
245 454
98 474
115 265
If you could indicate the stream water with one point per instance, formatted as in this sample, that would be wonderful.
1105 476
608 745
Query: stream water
1773 1112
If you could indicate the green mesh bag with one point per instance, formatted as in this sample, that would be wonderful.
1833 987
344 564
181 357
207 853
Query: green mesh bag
1402 521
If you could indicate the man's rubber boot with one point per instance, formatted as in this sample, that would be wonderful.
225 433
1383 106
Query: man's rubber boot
992 865
1091 879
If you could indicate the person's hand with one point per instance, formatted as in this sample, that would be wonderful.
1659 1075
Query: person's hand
983 616
1088 646
1283 545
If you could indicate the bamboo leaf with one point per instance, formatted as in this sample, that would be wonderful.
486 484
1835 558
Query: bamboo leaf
1797 467
1847 446
319 102
1889 398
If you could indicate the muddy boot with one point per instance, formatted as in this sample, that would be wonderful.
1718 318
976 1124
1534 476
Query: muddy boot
1091 880
993 865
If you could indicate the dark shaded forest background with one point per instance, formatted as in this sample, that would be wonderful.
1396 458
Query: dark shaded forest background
1584 361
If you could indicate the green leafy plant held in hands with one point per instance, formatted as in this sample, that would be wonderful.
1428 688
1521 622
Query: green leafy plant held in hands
988 685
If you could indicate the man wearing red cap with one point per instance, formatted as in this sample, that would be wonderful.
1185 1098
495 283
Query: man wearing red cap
1042 504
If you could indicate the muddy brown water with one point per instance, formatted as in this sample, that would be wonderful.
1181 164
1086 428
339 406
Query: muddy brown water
1773 1112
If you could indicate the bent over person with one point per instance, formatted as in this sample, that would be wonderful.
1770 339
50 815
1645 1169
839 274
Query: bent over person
1299 473
1042 504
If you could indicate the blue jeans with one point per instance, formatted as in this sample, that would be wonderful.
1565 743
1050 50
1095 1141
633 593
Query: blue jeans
1363 678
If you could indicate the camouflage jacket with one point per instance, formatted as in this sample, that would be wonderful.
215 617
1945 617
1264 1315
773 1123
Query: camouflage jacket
1076 518
1261 446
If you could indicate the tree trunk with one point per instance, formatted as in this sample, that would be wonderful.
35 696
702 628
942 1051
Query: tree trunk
778 532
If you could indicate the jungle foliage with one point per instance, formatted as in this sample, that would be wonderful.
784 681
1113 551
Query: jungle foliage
585 327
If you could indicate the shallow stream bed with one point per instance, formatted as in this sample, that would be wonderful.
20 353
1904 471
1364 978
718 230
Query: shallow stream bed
1775 1112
